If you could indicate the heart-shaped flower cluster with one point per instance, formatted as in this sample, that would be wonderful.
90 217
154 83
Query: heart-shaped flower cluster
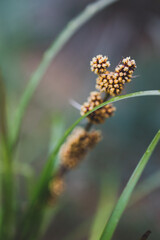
113 83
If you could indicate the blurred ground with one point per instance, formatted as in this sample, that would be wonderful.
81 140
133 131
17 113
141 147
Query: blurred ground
126 28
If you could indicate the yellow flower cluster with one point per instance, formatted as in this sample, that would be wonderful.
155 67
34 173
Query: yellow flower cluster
99 64
99 115
113 83
77 146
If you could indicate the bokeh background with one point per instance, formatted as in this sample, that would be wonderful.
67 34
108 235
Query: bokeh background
125 28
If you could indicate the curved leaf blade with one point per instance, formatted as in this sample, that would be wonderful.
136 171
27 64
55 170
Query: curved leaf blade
126 194
112 100
50 165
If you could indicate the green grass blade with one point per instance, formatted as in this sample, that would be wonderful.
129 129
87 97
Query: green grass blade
150 184
7 196
57 131
48 168
79 232
3 112
48 217
125 196
108 194
50 54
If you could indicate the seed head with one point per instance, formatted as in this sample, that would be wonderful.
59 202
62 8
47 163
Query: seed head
77 146
99 64
125 70
99 115
57 186
109 83
113 82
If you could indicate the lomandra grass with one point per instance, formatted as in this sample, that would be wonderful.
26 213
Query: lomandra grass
82 139
27 222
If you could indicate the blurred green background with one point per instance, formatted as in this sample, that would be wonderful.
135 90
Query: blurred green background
125 28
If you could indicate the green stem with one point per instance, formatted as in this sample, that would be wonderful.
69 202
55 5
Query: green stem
49 55
3 118
149 185
7 194
7 173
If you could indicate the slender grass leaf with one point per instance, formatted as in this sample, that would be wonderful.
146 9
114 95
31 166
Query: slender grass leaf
108 194
150 184
57 130
79 232
126 194
48 168
7 197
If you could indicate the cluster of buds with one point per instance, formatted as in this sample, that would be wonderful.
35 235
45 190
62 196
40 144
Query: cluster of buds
99 64
113 83
99 115
77 146
109 84
82 140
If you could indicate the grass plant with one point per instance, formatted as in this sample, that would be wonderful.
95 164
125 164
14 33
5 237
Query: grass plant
35 216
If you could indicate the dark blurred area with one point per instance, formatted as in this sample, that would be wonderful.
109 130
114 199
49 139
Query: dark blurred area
125 28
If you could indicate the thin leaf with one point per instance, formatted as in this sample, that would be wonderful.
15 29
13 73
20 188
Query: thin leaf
6 177
126 194
150 184
50 54
3 115
57 130
79 232
48 169
108 194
